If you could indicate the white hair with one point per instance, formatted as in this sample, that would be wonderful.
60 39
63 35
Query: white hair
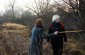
55 17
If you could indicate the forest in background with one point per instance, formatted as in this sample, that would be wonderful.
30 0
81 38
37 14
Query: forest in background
71 13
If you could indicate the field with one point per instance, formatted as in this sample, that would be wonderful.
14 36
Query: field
14 40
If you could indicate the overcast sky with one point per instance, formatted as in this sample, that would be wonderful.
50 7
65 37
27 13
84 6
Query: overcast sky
19 3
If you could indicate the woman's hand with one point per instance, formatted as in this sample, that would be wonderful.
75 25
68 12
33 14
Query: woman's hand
56 32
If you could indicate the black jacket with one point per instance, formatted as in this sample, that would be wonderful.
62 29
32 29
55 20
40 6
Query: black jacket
59 38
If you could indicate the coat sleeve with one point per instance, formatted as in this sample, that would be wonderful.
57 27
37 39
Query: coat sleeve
64 35
46 36
65 38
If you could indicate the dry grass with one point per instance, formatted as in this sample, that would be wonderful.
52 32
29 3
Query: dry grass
13 25
14 41
73 47
16 28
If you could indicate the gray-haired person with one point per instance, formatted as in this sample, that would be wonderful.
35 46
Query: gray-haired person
57 42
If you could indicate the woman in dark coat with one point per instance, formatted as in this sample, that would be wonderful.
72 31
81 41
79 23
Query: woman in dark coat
57 42
37 36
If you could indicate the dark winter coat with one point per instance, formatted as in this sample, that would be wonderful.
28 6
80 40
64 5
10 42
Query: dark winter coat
57 41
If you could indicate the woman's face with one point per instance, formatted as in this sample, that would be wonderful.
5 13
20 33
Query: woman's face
58 20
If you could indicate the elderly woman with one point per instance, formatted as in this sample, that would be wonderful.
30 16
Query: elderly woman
37 36
57 42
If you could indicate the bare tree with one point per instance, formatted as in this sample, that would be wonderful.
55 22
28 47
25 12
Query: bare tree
75 10
10 9
43 9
